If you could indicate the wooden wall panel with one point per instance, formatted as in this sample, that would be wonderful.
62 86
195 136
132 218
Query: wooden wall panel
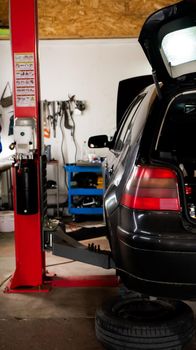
4 12
91 18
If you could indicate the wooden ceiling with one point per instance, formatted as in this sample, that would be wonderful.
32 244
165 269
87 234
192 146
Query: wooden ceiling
62 19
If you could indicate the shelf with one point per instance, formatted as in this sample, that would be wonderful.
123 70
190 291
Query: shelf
86 211
94 168
79 191
85 191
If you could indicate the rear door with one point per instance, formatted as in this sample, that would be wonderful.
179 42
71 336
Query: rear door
124 151
120 138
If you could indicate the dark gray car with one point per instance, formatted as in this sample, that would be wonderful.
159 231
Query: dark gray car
150 201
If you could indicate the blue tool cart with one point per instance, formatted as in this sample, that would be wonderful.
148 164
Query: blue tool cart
78 193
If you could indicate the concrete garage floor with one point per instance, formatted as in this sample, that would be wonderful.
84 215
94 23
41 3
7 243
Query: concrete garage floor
62 319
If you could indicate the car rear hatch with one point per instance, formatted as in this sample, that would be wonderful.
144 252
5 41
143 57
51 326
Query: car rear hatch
168 38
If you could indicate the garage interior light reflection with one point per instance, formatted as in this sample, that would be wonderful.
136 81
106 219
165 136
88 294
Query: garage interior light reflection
180 46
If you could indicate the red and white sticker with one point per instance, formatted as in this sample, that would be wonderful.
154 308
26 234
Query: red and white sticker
24 79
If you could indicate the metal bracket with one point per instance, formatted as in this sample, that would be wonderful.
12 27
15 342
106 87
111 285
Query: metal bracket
65 246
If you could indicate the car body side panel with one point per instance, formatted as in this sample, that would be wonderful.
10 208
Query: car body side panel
121 163
152 250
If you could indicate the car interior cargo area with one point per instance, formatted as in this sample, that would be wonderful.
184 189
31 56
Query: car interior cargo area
176 144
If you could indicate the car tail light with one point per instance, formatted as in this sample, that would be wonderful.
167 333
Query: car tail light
152 188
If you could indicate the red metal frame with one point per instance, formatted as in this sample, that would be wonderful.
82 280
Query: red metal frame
69 282
30 258
30 274
85 281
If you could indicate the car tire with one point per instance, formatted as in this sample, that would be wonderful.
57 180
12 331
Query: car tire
136 323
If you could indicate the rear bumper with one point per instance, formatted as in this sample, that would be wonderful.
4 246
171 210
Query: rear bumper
161 264
166 274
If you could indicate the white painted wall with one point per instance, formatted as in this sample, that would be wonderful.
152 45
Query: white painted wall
89 69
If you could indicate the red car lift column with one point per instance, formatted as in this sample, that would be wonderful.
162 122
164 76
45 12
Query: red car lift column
30 257
29 172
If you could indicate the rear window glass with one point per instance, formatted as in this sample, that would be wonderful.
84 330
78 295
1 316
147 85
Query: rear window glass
177 136
126 125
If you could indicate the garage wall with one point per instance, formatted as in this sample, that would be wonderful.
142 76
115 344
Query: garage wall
89 69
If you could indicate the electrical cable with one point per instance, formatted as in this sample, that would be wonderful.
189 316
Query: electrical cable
51 265
62 143
73 136
5 280
62 263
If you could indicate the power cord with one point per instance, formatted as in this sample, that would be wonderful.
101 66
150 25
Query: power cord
5 280
62 263
73 135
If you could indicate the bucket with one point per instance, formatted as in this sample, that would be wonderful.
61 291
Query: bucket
6 221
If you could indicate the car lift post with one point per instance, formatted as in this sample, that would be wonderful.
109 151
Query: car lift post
30 257
29 173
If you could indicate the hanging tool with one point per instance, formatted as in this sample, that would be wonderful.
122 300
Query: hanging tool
68 108
54 118
46 120
65 110
11 125
56 113
1 148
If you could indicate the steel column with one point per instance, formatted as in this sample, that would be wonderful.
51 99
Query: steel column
30 257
